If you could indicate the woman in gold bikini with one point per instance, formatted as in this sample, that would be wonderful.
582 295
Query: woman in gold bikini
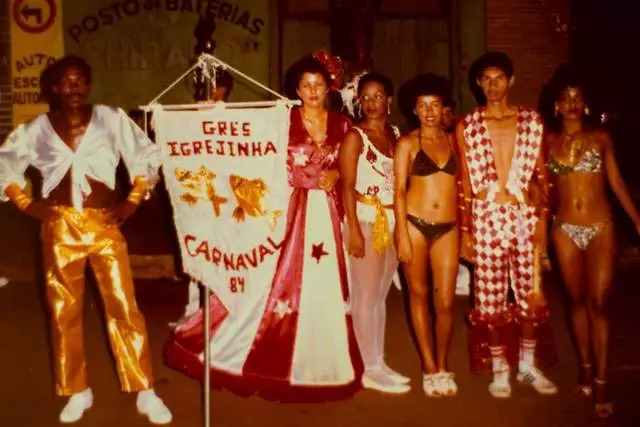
582 161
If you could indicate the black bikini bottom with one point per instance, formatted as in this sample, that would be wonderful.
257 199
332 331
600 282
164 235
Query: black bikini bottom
431 231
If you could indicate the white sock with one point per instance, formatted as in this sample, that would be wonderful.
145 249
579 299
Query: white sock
500 371
527 354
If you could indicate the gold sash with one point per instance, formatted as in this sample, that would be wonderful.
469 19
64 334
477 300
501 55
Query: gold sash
381 232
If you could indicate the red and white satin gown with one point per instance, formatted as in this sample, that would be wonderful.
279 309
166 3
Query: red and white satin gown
304 348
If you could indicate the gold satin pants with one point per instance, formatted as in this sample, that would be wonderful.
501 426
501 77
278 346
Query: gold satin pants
70 240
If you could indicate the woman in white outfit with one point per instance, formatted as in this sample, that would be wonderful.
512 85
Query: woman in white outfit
366 168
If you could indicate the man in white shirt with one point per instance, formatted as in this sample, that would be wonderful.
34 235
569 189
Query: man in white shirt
77 147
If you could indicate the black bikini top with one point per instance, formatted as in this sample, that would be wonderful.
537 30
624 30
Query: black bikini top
423 165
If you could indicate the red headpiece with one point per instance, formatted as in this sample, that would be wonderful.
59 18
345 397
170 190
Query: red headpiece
333 64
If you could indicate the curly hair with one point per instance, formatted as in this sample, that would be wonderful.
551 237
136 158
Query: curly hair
379 78
565 76
498 60
46 86
54 72
422 85
71 61
307 64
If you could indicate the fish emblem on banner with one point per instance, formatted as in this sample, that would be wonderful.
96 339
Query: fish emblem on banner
200 186
250 195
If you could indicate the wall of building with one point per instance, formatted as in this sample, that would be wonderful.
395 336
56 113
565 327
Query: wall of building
468 43
402 48
410 37
529 31
5 71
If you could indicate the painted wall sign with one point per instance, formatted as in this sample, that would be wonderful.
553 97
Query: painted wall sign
138 47
121 10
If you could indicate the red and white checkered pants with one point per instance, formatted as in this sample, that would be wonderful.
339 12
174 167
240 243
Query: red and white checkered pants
503 242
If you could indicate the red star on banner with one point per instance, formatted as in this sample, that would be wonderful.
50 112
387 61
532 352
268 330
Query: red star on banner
317 251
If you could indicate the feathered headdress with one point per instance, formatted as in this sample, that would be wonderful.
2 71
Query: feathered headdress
349 95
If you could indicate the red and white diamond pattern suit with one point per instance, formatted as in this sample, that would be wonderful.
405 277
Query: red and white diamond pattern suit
504 254
503 234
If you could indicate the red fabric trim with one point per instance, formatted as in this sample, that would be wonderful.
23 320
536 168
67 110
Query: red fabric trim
179 358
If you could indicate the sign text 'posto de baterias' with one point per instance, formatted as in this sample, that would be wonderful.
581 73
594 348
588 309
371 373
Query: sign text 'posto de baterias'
122 9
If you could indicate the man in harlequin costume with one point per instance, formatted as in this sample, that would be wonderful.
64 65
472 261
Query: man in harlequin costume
504 223
76 148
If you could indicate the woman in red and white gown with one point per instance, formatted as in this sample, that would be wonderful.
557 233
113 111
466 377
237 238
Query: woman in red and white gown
304 348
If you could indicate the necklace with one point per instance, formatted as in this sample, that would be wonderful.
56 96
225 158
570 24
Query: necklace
572 145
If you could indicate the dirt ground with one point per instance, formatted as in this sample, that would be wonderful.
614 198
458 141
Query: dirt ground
27 398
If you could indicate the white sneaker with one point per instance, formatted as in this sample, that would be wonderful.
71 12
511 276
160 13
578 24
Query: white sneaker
377 379
430 384
447 384
500 387
149 404
75 407
534 377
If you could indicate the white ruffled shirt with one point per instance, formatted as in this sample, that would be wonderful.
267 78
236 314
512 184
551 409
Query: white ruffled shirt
110 136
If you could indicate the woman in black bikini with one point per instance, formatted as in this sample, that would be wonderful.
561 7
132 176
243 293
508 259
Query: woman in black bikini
425 177
582 162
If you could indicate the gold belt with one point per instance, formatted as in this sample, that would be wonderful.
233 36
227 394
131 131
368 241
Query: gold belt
381 232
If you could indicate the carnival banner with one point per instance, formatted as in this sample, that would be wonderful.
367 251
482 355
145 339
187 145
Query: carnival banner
226 174
36 40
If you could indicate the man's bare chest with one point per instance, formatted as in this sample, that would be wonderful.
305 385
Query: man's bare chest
70 130
503 141
70 134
